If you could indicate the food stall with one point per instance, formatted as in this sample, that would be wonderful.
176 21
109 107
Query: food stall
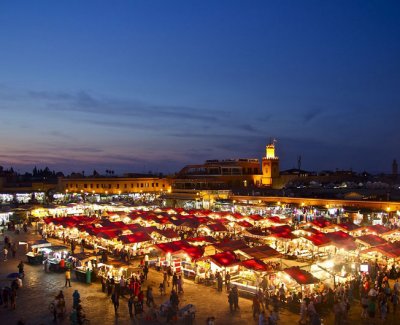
85 266
35 256
297 280
222 262
249 277
55 258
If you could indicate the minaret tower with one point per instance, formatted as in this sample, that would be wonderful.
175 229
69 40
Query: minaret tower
270 165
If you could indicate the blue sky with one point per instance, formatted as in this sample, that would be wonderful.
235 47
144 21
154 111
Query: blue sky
153 85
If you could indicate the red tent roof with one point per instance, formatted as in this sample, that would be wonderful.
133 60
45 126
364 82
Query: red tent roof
206 239
342 240
348 226
280 229
255 217
168 233
321 222
319 239
108 234
390 250
255 265
301 276
371 240
379 229
136 237
224 259
275 219
173 247
194 252
261 252
216 227
230 245
244 224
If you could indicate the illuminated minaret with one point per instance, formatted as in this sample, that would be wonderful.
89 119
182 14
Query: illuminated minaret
270 165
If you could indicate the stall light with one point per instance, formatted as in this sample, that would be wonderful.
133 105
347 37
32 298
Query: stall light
329 264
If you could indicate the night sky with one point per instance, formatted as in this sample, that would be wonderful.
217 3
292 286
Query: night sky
138 86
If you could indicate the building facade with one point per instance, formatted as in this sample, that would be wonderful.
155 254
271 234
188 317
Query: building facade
114 185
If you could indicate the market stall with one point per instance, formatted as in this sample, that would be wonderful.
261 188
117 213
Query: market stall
298 280
249 277
84 265
54 258
35 256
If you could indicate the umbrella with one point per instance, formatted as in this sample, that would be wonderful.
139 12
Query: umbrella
13 275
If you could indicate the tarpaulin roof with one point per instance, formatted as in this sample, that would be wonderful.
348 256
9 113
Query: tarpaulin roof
321 222
342 240
255 217
390 250
230 245
108 234
172 247
371 240
244 224
302 277
136 237
167 233
378 229
216 227
194 252
348 226
261 252
224 259
255 265
207 239
275 219
319 239
279 229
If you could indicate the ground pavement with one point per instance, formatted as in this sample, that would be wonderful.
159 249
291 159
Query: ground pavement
39 289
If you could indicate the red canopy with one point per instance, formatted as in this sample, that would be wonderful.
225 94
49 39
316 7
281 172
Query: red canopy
216 227
173 247
301 276
255 217
244 224
371 240
321 222
224 259
261 252
194 252
342 240
230 245
136 237
348 226
255 265
319 239
167 233
378 229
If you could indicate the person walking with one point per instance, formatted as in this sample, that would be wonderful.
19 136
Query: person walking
231 300
67 278
76 299
13 250
115 301
227 281
145 271
395 301
235 297
149 297
130 305
175 282
180 284
256 307
5 253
